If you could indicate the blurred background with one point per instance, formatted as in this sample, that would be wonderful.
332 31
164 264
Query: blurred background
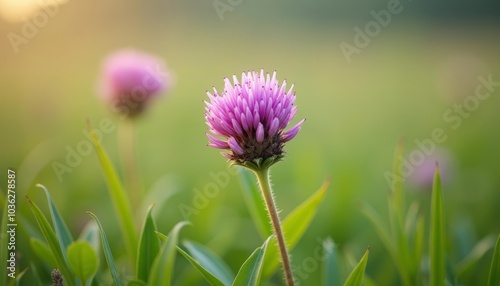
360 92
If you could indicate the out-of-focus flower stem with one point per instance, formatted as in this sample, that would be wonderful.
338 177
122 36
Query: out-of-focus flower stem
128 156
267 193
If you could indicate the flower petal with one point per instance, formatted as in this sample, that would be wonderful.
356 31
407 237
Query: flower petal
259 134
288 135
235 147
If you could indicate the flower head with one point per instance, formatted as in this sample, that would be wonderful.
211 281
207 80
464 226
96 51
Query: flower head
249 119
130 79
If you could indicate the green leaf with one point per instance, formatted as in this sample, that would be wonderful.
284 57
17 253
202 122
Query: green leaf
211 278
136 283
52 241
20 276
161 236
60 228
149 246
161 271
294 226
83 260
119 197
43 252
481 248
251 270
437 247
210 261
494 277
332 267
107 253
90 233
255 203
358 273
34 273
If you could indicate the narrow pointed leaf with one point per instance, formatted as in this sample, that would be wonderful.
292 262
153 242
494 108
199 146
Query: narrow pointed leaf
43 252
332 268
358 273
149 246
294 226
210 261
83 260
251 270
255 203
36 276
479 250
107 253
60 228
494 277
119 198
437 247
20 276
209 277
90 233
52 241
161 271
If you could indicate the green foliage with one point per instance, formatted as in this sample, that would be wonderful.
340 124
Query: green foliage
210 262
43 252
437 240
107 253
251 270
119 197
358 273
332 268
52 241
494 276
83 260
161 271
149 246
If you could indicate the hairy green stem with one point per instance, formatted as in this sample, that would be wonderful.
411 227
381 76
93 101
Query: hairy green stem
267 193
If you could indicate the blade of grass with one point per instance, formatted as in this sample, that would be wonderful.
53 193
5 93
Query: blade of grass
332 268
209 277
52 241
107 253
358 273
250 272
494 276
119 197
149 246
60 228
437 247
210 261
42 250
479 250
161 271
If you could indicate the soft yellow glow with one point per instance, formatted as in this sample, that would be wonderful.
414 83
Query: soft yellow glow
19 10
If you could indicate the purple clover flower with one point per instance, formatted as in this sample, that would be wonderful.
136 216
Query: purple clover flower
130 79
249 119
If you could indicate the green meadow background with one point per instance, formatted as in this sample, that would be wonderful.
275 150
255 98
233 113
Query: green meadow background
425 60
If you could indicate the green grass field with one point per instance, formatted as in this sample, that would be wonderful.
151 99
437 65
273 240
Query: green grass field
398 86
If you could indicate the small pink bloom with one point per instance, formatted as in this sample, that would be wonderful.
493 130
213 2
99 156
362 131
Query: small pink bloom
130 79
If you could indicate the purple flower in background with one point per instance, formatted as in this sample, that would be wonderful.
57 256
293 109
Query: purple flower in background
423 175
249 119
130 79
